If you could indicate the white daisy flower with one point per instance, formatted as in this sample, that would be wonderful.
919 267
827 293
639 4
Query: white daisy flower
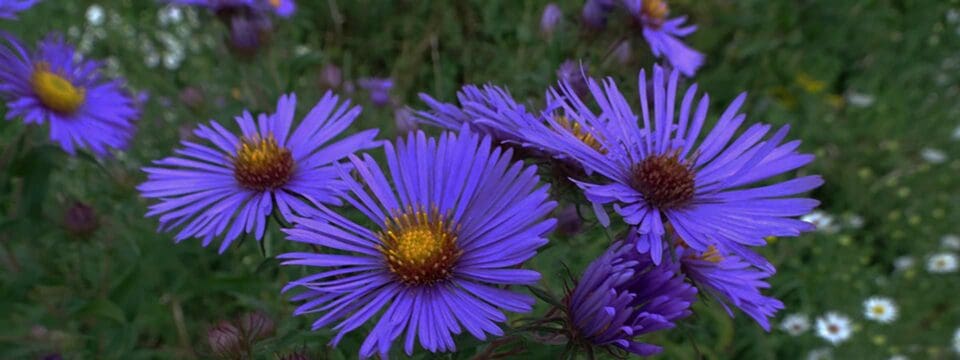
880 309
903 263
950 242
956 341
860 99
820 354
834 327
795 324
898 357
933 156
942 263
823 221
855 221
95 15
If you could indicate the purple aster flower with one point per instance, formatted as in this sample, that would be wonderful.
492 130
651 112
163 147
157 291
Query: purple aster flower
378 88
452 234
623 295
730 280
234 185
663 34
10 8
664 171
55 85
550 18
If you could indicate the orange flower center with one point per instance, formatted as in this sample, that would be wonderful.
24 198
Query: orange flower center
580 133
664 181
655 11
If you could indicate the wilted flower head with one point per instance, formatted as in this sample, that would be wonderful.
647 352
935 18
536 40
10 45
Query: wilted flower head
378 89
444 242
56 85
234 184
880 309
550 18
10 8
942 263
795 324
80 219
834 327
623 295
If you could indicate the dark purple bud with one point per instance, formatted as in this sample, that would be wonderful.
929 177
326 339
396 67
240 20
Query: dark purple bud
330 76
257 325
378 88
575 74
595 13
80 220
225 340
406 122
568 221
248 32
551 17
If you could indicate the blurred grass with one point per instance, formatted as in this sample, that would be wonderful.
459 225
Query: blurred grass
129 293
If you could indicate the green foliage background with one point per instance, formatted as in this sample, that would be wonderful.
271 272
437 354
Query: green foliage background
127 292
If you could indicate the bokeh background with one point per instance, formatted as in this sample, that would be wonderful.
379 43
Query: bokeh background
871 87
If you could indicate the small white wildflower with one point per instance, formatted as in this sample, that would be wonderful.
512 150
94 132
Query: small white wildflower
933 156
795 324
956 341
953 16
823 221
898 357
859 99
855 221
820 354
834 327
956 133
95 15
903 263
301 50
950 242
942 263
170 15
880 309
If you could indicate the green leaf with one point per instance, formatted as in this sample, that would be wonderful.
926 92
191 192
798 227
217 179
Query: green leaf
104 308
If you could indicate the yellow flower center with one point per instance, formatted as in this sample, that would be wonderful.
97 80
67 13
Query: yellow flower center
261 164
54 91
879 310
711 255
420 247
275 3
655 10
580 133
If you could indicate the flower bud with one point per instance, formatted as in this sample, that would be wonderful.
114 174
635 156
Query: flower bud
225 340
551 17
330 76
80 220
378 88
256 325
